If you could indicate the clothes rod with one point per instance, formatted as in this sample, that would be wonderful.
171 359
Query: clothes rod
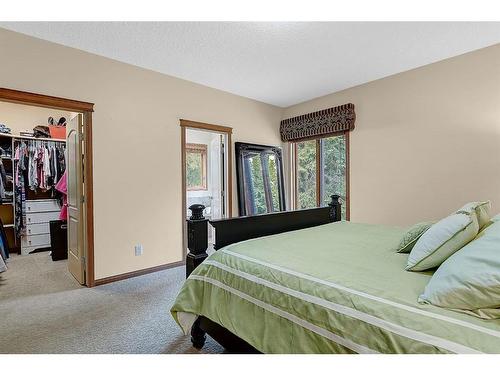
20 137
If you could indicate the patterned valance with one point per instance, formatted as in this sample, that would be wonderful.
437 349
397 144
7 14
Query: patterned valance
320 123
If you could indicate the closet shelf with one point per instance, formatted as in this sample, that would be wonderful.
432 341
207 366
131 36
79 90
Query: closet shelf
32 138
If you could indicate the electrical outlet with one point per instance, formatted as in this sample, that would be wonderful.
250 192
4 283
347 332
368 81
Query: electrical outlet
138 250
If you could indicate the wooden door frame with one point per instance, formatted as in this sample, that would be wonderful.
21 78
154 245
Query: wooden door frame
86 109
188 124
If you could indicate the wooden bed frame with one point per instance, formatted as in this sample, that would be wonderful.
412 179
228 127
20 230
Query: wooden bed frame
229 231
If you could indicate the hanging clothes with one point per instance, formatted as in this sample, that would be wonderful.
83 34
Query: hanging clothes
37 163
46 162
62 187
61 159
3 181
21 171
5 196
52 166
32 166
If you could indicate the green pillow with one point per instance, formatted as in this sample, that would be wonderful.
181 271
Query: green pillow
412 235
482 210
469 280
441 240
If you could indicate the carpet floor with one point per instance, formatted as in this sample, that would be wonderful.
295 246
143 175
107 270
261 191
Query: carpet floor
44 310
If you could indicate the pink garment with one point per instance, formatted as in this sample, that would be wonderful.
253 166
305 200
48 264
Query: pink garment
62 186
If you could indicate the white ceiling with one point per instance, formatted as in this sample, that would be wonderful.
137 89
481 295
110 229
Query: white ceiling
280 63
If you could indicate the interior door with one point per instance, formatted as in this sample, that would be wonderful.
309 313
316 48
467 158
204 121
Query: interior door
76 256
223 178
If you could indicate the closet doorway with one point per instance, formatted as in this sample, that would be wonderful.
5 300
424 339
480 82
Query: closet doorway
37 201
206 172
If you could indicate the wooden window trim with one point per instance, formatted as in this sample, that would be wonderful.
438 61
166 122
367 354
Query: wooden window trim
197 148
295 176
318 172
319 160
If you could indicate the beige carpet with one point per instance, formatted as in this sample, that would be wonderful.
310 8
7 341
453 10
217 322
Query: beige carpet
44 310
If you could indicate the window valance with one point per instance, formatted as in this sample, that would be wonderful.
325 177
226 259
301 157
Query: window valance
327 121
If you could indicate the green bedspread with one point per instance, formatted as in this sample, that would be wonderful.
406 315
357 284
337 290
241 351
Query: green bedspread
335 288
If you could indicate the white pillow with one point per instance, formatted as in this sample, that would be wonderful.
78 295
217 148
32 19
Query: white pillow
442 240
469 280
495 218
482 211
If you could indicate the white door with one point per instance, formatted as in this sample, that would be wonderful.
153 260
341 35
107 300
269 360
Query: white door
223 176
216 156
218 172
76 256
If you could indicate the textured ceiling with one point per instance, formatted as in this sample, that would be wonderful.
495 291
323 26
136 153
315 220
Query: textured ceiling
281 63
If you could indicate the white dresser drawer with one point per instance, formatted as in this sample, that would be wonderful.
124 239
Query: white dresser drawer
42 205
42 228
25 250
41 217
36 240
30 243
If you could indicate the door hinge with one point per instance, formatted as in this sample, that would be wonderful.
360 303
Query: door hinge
82 136
83 199
84 260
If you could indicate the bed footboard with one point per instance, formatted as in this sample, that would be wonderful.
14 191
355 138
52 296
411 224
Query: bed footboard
229 231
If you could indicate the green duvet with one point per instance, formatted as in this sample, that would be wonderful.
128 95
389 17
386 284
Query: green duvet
335 288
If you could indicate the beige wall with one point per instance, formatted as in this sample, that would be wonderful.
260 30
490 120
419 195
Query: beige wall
426 141
137 154
20 117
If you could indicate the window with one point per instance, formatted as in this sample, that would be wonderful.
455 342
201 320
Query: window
196 166
321 170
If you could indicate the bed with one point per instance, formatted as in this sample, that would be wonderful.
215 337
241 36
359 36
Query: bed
332 288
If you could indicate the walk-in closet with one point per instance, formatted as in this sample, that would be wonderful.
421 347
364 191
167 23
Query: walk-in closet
34 172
